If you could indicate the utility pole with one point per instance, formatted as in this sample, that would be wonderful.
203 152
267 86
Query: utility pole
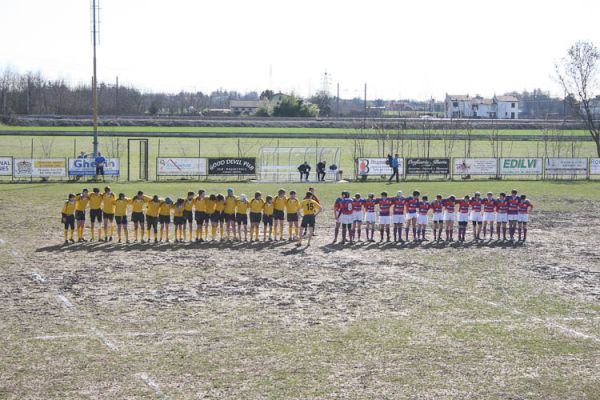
337 101
95 9
117 97
365 111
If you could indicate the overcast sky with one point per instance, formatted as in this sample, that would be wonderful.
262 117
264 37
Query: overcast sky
401 49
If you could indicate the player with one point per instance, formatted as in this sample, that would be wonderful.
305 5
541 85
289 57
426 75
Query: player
121 204
346 217
96 211
501 215
385 203
211 216
357 216
152 218
199 215
411 214
241 216
81 202
423 208
137 214
310 209
267 218
438 217
370 216
513 213
315 198
279 203
524 207
337 212
398 217
292 208
179 220
108 213
164 217
256 206
220 213
68 218
463 217
489 214
475 217
188 215
230 204
449 205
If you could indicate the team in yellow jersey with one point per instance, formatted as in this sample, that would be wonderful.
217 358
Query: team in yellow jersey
227 216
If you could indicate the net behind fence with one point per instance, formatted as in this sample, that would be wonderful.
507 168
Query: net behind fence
280 164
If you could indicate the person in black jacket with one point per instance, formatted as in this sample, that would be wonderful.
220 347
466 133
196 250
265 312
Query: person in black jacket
321 171
304 170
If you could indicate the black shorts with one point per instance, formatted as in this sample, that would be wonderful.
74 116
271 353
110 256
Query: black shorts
255 217
137 217
228 216
100 171
179 221
187 215
308 221
241 219
200 217
96 215
267 219
79 215
69 221
292 217
151 221
278 215
108 216
121 220
164 219
214 217
463 223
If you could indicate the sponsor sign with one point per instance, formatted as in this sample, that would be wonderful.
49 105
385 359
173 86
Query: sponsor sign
39 167
180 166
594 166
232 166
87 167
6 165
520 166
566 166
427 166
475 166
377 166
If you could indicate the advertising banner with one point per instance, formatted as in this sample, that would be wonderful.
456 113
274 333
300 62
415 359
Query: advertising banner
377 166
232 166
6 166
87 167
39 167
520 166
427 166
594 166
566 166
180 166
475 166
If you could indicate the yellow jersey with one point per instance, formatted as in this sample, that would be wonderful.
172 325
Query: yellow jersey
95 201
178 211
210 206
242 207
68 208
256 205
81 202
219 205
200 204
188 205
138 204
121 206
292 206
268 208
108 205
152 208
165 209
280 202
230 204
309 207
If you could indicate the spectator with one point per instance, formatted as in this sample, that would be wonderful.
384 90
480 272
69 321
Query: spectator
304 170
100 161
82 155
394 163
321 171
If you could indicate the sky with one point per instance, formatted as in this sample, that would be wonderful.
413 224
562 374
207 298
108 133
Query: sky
400 49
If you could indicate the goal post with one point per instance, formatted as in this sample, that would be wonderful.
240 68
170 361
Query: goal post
280 164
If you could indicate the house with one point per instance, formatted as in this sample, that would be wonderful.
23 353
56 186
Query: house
483 108
238 107
464 106
507 107
458 106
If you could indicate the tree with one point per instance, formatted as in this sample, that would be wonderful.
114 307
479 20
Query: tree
291 106
578 75
323 101
267 95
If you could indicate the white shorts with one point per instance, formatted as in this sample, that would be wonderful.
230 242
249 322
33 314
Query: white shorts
411 215
438 217
422 220
357 216
523 217
370 217
449 216
489 216
384 220
347 218
463 217
501 218
476 216
513 217
399 218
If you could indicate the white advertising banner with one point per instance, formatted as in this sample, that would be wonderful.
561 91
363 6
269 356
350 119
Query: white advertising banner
180 166
39 167
377 166
475 166
566 166
6 166
520 166
87 167
594 166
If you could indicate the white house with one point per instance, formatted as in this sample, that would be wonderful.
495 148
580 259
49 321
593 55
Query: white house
244 106
458 106
507 107
464 106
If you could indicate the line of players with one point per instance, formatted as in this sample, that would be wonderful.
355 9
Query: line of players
400 214
229 214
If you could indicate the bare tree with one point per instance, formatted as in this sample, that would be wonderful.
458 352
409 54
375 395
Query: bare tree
578 75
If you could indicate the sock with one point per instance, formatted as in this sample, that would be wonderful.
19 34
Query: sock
78 233
290 231
92 231
126 232
336 232
434 233
524 233
414 232
112 229
387 232
206 231
167 233
66 233
135 230
119 234
395 233
343 232
520 233
406 230
381 233
99 233
149 233
423 233
372 233
213 231
504 232
297 231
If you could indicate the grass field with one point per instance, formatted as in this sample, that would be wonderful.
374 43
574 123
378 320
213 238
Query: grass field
269 320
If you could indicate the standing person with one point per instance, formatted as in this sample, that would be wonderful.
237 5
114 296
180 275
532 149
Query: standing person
398 216
121 204
241 216
229 213
179 220
385 204
346 217
137 214
256 206
164 217
279 204
292 208
438 217
337 213
463 217
267 218
108 213
411 214
370 216
188 215
476 219
304 170
449 216
423 208
489 215
220 212
524 207
501 215
395 164
100 161
310 209
81 202
96 211
315 198
152 211
357 216
213 215
200 214
68 218
513 213
321 171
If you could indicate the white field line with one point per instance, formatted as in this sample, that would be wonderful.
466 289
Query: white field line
70 306
107 342
152 385
121 334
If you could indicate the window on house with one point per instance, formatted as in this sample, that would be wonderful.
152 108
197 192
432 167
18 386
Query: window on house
455 104
512 105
